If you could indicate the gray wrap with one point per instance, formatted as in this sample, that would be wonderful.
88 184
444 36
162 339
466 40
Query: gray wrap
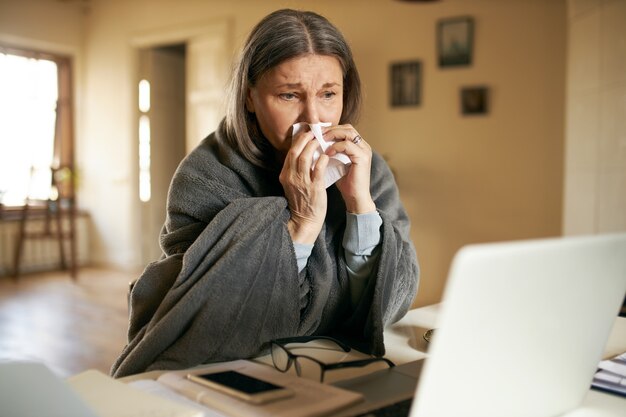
228 282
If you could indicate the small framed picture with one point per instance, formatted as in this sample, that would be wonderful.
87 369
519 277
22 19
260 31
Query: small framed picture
455 38
474 100
405 79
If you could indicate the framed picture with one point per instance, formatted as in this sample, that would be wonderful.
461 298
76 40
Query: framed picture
455 38
474 100
405 78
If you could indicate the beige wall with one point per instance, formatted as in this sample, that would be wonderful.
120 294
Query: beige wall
462 179
36 23
595 186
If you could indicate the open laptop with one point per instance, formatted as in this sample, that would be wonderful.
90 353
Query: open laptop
521 330
30 389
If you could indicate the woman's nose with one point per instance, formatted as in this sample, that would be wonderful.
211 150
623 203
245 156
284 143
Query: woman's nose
310 113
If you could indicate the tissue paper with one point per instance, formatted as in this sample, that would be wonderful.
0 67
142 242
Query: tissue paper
337 165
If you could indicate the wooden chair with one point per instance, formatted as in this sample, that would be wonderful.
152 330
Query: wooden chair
51 212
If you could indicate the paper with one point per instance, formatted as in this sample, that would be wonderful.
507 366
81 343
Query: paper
111 398
611 378
612 375
616 365
337 165
156 388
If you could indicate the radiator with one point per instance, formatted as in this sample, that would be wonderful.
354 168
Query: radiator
41 254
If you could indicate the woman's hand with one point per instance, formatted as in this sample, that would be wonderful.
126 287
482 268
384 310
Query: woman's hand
304 188
355 185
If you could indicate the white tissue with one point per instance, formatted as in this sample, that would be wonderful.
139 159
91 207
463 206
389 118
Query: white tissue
337 165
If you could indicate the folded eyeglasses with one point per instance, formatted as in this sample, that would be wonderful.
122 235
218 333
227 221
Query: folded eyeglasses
309 367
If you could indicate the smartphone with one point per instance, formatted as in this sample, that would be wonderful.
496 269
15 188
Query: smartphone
243 387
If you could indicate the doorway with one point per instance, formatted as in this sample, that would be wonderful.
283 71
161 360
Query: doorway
185 72
161 136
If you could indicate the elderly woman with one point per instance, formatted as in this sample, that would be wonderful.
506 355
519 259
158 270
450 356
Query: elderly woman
281 223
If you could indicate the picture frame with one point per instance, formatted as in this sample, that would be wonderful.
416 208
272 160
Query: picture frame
474 100
405 83
455 41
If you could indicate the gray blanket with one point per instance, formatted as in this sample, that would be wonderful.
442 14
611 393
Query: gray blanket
228 282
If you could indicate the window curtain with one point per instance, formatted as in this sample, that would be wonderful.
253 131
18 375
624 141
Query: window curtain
64 133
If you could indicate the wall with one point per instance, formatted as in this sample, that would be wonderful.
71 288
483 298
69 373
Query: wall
595 180
462 179
35 23
471 179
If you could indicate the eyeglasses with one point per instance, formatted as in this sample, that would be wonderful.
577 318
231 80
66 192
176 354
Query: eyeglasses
309 367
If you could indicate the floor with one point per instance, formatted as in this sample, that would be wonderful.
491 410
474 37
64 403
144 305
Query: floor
69 326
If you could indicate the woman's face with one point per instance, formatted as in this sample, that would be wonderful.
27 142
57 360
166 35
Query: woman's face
303 89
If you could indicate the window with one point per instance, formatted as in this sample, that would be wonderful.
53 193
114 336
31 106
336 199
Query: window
35 123
145 180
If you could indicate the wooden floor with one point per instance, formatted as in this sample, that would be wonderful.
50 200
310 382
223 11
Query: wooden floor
69 326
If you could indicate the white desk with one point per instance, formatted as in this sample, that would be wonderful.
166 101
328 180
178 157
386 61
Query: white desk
404 342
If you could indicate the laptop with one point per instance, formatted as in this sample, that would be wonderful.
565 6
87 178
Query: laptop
29 389
521 330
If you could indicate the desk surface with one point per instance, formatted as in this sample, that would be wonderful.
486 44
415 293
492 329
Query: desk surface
404 342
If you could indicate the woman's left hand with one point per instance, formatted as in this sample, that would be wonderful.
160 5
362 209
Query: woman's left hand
355 185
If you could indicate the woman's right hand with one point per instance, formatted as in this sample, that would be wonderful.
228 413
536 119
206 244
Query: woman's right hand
304 188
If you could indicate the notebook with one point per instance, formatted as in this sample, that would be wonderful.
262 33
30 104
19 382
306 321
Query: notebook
521 330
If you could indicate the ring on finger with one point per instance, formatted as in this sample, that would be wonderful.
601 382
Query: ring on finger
357 139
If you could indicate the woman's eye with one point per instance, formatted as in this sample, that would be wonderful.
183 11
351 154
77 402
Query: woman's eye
287 96
328 94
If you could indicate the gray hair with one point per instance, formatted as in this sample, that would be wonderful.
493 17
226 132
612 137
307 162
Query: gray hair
280 36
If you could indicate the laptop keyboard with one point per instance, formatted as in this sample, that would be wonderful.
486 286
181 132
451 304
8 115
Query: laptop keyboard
399 409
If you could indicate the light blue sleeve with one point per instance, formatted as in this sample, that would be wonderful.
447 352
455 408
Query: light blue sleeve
303 251
360 242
